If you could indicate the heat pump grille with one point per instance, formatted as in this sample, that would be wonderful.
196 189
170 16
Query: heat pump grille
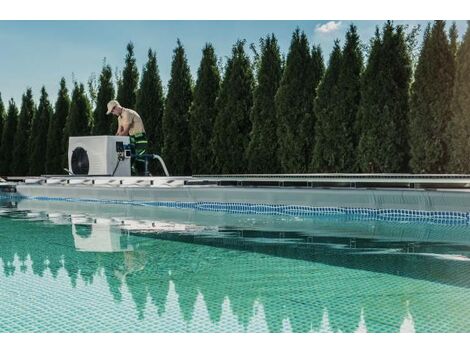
80 162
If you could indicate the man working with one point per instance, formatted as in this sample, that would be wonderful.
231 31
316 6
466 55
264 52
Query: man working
130 124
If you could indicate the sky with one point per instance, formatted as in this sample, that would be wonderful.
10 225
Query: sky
36 53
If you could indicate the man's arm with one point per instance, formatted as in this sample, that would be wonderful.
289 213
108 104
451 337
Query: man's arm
124 126
125 130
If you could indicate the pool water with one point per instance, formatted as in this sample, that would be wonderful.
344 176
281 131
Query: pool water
105 269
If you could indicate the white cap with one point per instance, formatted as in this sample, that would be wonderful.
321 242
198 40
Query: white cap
111 105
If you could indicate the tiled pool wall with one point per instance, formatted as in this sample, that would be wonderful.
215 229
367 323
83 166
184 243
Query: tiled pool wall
383 213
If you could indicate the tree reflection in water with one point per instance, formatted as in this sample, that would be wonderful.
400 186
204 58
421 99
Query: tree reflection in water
201 277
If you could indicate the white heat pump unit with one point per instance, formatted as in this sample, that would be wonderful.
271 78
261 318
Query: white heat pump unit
99 156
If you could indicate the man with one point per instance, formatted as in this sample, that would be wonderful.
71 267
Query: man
130 124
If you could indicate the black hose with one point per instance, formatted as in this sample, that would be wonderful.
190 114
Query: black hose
117 164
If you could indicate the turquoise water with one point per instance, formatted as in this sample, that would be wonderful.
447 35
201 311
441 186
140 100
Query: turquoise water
96 268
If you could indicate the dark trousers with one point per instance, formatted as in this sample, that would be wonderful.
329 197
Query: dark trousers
138 148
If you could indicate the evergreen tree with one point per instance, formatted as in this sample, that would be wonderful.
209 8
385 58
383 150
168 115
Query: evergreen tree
20 160
127 88
328 129
294 105
232 124
101 121
349 87
127 84
431 96
38 138
78 120
6 146
150 105
55 142
383 112
262 148
459 129
176 144
203 112
454 37
2 118
368 119
318 72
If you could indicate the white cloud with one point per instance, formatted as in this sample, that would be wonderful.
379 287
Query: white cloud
328 27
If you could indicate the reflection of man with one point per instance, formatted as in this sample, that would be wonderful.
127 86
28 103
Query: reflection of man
133 262
130 124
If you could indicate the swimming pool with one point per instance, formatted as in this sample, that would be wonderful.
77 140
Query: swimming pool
114 268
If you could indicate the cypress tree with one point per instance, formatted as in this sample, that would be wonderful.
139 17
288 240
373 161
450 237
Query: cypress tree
383 112
459 129
262 149
9 130
55 142
127 84
38 138
78 120
2 118
367 122
453 38
176 144
203 112
294 106
349 87
127 88
328 128
431 95
150 104
232 124
20 160
101 121
318 71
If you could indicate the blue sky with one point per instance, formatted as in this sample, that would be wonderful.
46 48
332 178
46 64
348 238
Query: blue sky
36 53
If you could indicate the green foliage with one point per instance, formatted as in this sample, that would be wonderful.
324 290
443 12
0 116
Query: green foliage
431 95
2 118
383 113
6 146
127 84
176 144
349 87
150 106
459 129
357 120
329 126
454 39
262 149
127 88
203 112
55 142
232 124
101 121
294 105
20 160
79 117
38 138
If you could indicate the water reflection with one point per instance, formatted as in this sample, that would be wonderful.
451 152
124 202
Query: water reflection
231 273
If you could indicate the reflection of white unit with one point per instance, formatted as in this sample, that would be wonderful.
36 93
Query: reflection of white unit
99 237
96 155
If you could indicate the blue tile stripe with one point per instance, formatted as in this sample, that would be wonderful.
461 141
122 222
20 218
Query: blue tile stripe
436 217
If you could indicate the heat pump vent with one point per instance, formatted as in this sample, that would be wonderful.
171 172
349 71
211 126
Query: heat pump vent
79 162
